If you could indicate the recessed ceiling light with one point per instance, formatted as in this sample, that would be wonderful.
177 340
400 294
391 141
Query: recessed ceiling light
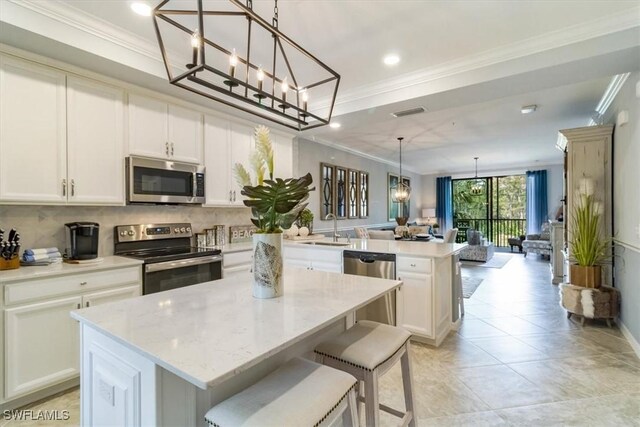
391 59
527 109
335 125
141 9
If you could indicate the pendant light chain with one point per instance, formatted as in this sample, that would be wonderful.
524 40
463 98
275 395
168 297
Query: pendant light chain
275 13
400 139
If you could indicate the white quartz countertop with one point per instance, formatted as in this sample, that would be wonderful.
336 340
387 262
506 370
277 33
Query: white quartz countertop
431 249
236 247
206 333
63 269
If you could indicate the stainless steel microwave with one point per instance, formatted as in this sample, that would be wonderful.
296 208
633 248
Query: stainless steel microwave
164 182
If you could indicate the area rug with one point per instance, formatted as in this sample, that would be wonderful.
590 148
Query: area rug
469 285
499 260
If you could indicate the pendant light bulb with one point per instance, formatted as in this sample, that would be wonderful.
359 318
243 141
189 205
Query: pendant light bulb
260 74
305 96
285 86
233 59
195 39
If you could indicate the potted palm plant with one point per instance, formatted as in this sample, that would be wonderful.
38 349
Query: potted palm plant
589 249
275 204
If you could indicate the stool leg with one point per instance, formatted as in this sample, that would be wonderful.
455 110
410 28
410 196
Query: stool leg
352 411
371 401
407 384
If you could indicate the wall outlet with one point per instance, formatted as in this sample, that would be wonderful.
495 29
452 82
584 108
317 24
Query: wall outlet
106 391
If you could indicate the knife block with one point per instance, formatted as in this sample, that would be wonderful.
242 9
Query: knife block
10 264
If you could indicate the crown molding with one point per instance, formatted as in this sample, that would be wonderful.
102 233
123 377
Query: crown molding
91 24
338 147
617 22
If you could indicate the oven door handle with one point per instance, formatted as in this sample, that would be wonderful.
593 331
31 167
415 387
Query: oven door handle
168 265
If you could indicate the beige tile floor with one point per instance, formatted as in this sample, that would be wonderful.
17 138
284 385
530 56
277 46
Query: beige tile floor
516 360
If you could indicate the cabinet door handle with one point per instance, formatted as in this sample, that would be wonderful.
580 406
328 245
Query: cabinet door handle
88 304
73 188
172 149
413 265
166 148
64 187
234 195
79 306
83 283
230 199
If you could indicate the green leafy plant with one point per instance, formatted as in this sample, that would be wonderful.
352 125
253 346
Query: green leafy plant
275 203
305 218
588 247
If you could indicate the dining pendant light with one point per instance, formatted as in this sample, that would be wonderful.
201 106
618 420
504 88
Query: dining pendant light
401 192
477 188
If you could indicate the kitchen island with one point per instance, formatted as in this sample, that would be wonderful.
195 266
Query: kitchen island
428 303
166 358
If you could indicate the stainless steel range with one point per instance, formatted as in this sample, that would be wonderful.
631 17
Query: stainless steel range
170 260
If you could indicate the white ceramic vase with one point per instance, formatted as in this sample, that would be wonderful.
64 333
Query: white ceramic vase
267 265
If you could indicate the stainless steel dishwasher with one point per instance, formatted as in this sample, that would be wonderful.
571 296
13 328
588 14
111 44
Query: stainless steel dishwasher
374 264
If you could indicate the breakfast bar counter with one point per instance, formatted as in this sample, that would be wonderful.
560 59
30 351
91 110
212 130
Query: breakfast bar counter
165 358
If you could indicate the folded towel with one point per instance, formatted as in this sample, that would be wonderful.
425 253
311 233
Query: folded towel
41 251
40 257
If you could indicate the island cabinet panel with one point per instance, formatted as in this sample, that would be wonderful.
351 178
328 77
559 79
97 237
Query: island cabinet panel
414 303
41 345
423 304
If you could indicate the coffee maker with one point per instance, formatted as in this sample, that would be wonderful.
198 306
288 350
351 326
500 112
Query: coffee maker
82 240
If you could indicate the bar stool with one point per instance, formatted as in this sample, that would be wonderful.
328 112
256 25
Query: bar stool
367 351
299 393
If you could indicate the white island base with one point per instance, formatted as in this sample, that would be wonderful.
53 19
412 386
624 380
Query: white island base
165 359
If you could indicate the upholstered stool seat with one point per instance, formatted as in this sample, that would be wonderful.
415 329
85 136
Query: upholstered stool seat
300 393
366 351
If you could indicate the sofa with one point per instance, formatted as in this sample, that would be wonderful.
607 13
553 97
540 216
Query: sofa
539 243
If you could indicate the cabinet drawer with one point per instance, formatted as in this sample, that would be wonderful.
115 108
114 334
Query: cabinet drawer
304 253
237 258
30 290
413 265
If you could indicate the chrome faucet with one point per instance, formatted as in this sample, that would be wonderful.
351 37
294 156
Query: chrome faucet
336 236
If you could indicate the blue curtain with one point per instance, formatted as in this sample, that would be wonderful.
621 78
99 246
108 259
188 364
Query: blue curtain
444 203
537 211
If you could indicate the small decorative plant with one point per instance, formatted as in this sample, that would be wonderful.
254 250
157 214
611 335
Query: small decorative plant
275 203
305 219
588 247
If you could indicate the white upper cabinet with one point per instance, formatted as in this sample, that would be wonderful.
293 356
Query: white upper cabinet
95 142
241 146
185 134
164 131
283 155
33 131
217 161
148 127
61 138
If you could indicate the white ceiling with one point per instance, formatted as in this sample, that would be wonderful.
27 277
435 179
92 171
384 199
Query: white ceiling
473 63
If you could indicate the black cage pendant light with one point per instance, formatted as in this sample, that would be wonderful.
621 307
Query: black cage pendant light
234 56
401 193
477 188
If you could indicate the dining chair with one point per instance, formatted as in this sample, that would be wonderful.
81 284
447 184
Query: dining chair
450 235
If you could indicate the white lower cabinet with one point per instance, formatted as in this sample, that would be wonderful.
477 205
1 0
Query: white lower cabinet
41 340
41 345
236 263
423 303
303 256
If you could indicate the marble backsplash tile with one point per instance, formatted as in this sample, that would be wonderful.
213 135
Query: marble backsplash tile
43 226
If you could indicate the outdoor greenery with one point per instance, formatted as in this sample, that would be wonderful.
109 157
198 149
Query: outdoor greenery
275 204
498 213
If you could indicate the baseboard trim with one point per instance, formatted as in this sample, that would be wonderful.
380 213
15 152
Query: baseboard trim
632 341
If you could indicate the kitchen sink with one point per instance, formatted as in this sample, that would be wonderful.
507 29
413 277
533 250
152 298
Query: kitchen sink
327 243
